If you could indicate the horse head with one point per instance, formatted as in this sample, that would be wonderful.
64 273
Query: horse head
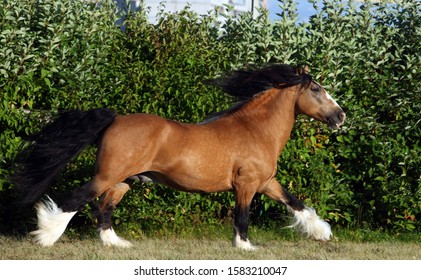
314 101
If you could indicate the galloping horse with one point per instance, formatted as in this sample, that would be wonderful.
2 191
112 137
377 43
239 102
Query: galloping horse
235 150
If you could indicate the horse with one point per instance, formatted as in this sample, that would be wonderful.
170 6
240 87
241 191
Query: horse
234 150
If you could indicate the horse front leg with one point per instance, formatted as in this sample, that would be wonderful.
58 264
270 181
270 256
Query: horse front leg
243 200
306 219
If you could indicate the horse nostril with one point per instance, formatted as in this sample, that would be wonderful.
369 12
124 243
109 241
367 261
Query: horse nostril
342 116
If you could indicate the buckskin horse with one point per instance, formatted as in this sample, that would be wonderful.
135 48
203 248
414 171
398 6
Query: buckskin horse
234 150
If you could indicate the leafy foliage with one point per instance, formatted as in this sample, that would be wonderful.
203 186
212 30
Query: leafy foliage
62 55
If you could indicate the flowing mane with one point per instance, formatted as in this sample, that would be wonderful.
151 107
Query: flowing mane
244 85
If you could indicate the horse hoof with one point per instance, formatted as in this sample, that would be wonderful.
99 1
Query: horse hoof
110 238
310 224
243 244
52 222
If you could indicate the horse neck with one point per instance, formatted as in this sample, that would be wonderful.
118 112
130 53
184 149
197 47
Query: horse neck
271 116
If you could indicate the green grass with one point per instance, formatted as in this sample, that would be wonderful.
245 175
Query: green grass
215 243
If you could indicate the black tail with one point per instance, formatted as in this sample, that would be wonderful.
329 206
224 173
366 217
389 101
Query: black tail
54 147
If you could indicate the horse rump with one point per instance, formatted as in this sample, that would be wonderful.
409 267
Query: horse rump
54 146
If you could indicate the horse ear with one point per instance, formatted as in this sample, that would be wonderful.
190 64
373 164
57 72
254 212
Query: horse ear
302 70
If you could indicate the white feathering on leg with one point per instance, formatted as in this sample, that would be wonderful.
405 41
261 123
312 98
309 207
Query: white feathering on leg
242 244
309 223
110 238
52 222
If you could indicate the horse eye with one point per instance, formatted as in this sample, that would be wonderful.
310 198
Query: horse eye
315 89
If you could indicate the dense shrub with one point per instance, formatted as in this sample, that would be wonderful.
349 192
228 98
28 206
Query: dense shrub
62 55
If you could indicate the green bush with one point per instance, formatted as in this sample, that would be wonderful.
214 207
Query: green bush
63 55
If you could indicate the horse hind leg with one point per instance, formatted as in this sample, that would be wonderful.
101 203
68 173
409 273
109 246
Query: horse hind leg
106 206
305 218
52 220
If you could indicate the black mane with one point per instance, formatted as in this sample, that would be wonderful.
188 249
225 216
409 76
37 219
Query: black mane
245 84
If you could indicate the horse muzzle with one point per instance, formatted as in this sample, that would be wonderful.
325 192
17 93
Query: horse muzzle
336 119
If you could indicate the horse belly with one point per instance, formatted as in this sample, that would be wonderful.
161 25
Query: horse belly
190 168
193 176
189 183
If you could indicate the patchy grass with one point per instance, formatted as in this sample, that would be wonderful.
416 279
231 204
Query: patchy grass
215 244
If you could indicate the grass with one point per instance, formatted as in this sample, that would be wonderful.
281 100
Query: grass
214 243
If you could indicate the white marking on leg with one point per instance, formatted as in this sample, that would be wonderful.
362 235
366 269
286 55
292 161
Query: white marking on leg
52 222
309 223
110 238
242 244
